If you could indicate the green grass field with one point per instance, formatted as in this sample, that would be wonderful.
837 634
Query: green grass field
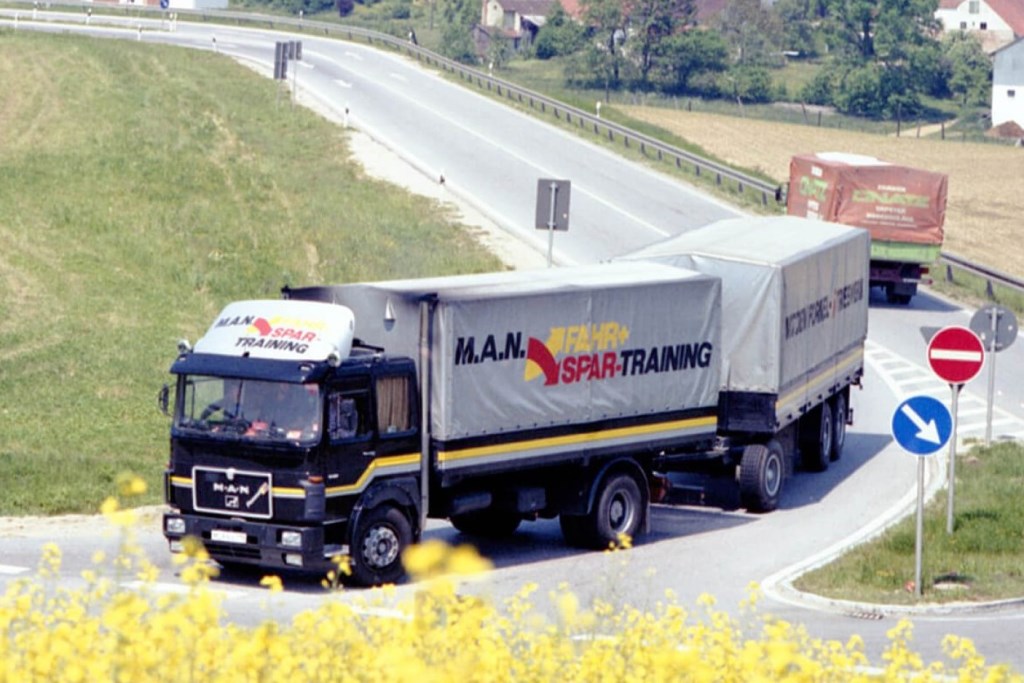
141 189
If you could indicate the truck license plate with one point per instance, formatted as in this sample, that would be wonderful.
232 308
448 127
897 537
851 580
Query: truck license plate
227 536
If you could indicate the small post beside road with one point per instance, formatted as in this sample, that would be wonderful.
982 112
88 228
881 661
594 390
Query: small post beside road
552 209
996 326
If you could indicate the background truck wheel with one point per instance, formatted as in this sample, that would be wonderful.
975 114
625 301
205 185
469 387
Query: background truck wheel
840 408
487 523
376 553
817 436
761 473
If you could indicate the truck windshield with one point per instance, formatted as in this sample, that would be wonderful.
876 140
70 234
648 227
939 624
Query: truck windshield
250 409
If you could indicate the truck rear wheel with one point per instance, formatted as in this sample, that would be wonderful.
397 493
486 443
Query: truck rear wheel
376 554
487 523
817 435
840 410
618 511
761 472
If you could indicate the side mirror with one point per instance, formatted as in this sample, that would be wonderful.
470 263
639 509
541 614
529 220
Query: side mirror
163 399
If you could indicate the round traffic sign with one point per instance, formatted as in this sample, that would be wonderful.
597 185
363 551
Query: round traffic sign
922 425
995 325
955 354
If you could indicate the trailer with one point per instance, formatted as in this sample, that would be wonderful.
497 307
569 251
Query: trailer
335 421
903 208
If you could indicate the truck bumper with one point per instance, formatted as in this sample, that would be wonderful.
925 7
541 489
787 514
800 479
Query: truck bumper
256 543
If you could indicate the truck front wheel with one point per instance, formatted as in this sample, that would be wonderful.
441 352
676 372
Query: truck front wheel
761 473
376 555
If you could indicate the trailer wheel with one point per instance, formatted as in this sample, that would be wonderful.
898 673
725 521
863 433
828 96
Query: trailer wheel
487 523
761 473
376 554
840 409
817 432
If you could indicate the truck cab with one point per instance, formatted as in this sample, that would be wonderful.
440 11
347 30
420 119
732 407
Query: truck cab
274 458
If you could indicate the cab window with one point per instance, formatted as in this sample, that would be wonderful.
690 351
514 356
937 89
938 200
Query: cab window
394 404
348 416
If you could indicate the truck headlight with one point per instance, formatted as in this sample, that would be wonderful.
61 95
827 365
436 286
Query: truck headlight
174 525
291 539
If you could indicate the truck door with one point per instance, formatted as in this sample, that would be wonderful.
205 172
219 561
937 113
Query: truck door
351 447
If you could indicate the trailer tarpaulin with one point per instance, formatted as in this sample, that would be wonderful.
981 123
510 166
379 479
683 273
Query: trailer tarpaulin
525 350
894 203
794 299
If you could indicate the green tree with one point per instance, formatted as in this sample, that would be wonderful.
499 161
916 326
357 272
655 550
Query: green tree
687 55
457 20
751 84
799 19
559 36
604 54
651 22
969 69
884 47
752 32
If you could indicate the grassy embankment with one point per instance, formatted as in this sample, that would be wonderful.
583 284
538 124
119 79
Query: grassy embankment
141 188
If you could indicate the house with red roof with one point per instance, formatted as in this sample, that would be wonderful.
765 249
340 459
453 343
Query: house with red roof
995 22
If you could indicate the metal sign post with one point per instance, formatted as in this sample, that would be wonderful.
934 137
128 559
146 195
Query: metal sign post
951 486
956 355
552 209
996 326
921 425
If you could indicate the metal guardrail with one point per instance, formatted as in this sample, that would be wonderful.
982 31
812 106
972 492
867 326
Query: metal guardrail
543 103
991 276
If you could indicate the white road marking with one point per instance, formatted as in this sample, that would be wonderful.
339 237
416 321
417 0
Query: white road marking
177 589
11 570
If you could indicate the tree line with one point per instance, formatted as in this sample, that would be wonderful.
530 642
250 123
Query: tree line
878 58
874 58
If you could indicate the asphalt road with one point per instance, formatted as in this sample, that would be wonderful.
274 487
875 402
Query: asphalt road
494 157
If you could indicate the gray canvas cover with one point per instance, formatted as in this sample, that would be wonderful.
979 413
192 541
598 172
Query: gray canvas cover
525 350
794 299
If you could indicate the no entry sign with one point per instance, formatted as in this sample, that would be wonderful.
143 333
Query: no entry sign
956 354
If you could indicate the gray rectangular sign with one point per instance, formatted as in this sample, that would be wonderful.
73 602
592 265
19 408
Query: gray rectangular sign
552 204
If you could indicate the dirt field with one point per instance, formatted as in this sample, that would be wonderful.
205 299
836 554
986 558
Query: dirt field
985 209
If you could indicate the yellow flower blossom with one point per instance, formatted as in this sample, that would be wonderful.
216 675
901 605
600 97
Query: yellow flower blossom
273 583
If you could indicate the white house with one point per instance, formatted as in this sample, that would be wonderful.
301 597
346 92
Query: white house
518 20
1008 84
995 22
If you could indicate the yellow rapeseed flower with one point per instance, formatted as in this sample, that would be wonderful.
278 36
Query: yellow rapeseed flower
273 583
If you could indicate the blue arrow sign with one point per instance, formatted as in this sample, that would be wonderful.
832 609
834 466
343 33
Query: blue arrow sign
922 425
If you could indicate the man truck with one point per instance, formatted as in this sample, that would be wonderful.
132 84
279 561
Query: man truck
903 208
335 421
